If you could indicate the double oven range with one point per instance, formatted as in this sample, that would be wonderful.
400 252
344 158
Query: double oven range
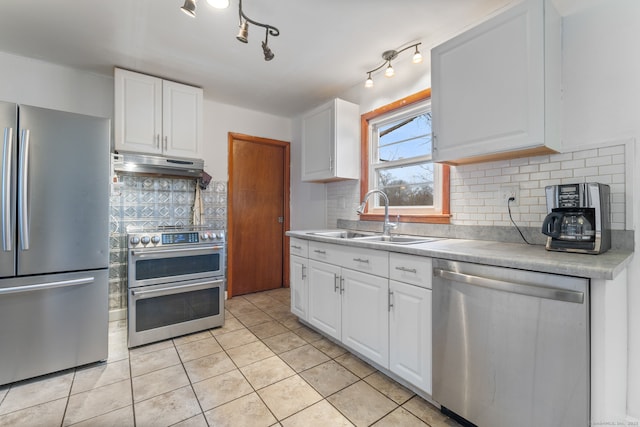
176 282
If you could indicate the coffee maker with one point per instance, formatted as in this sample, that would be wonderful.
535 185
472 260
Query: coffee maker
578 219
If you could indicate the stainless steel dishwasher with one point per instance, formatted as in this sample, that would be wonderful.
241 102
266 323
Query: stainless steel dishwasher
510 347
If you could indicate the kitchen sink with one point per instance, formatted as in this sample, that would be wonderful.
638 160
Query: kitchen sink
371 237
343 234
397 240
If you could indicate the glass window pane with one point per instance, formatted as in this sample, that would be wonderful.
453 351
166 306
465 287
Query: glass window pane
410 185
405 138
406 149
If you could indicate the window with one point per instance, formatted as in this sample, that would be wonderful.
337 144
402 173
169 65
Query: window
396 150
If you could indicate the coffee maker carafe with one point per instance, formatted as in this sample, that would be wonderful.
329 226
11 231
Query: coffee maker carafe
578 219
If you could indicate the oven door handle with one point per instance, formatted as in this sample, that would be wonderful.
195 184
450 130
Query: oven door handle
147 293
141 254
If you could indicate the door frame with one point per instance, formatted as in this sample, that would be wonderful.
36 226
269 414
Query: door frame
286 146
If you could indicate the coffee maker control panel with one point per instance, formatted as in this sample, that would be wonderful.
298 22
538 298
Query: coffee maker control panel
568 196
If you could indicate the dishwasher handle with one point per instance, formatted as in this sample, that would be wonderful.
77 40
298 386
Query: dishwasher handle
515 288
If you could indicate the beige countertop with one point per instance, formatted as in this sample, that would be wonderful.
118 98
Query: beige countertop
513 255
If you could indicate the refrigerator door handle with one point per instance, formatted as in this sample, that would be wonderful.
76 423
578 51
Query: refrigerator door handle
23 188
46 286
7 151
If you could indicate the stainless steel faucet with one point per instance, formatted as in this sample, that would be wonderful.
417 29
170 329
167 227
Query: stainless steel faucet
387 226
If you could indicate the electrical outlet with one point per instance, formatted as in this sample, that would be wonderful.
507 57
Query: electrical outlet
510 191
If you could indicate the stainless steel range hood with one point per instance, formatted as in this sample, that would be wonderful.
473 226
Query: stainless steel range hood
157 165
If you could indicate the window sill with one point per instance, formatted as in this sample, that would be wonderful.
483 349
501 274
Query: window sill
425 219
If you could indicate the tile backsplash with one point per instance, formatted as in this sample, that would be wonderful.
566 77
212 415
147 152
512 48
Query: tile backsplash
476 189
151 201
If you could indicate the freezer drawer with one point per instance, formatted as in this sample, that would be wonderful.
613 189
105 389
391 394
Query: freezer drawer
53 322
510 347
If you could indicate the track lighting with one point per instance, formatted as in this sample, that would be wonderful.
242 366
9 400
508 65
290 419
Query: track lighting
388 56
243 34
369 82
389 72
189 8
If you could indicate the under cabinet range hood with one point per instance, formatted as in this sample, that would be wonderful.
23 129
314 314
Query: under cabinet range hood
157 165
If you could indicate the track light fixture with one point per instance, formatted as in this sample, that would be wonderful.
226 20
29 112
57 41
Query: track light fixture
189 8
243 33
388 56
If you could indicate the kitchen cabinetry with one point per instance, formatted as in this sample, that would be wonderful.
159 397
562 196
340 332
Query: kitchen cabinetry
496 91
348 297
331 142
410 319
299 264
156 116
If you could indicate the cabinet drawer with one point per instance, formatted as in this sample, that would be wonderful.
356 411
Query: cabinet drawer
299 247
325 252
410 269
365 260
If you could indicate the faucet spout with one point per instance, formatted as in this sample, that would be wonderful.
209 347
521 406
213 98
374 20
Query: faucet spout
387 226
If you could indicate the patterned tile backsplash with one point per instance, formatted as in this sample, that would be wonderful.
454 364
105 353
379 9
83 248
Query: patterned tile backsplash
152 201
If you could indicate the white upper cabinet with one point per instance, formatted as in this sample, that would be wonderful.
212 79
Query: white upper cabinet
496 89
331 142
156 116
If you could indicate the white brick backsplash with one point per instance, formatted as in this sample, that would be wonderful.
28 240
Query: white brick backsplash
532 175
476 189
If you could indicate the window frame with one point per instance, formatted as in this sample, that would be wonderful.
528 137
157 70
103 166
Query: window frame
405 214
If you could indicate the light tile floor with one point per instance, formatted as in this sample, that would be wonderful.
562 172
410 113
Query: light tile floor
262 368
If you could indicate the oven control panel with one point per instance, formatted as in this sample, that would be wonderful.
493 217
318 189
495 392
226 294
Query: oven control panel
149 239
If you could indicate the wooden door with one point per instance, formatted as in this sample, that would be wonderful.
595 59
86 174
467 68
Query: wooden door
258 214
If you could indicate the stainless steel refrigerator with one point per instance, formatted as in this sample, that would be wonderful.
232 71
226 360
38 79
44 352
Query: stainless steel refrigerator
54 249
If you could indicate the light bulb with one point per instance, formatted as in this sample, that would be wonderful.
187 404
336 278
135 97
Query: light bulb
219 4
417 57
389 72
369 82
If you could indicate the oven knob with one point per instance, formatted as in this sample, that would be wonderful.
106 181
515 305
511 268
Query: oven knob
204 236
145 240
155 240
215 236
135 240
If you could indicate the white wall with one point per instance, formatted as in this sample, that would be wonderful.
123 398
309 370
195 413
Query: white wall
220 119
42 84
601 79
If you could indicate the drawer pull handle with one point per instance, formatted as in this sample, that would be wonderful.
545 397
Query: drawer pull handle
318 251
361 260
296 247
408 270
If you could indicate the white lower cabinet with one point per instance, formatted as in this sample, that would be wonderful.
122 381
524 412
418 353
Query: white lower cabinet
410 333
299 286
376 303
325 301
365 325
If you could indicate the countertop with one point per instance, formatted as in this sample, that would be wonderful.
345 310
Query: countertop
604 266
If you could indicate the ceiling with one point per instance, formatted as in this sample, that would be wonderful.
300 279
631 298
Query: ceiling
325 47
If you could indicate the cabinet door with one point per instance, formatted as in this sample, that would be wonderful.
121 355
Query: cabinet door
318 143
365 323
181 120
410 334
299 286
488 94
324 298
138 112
